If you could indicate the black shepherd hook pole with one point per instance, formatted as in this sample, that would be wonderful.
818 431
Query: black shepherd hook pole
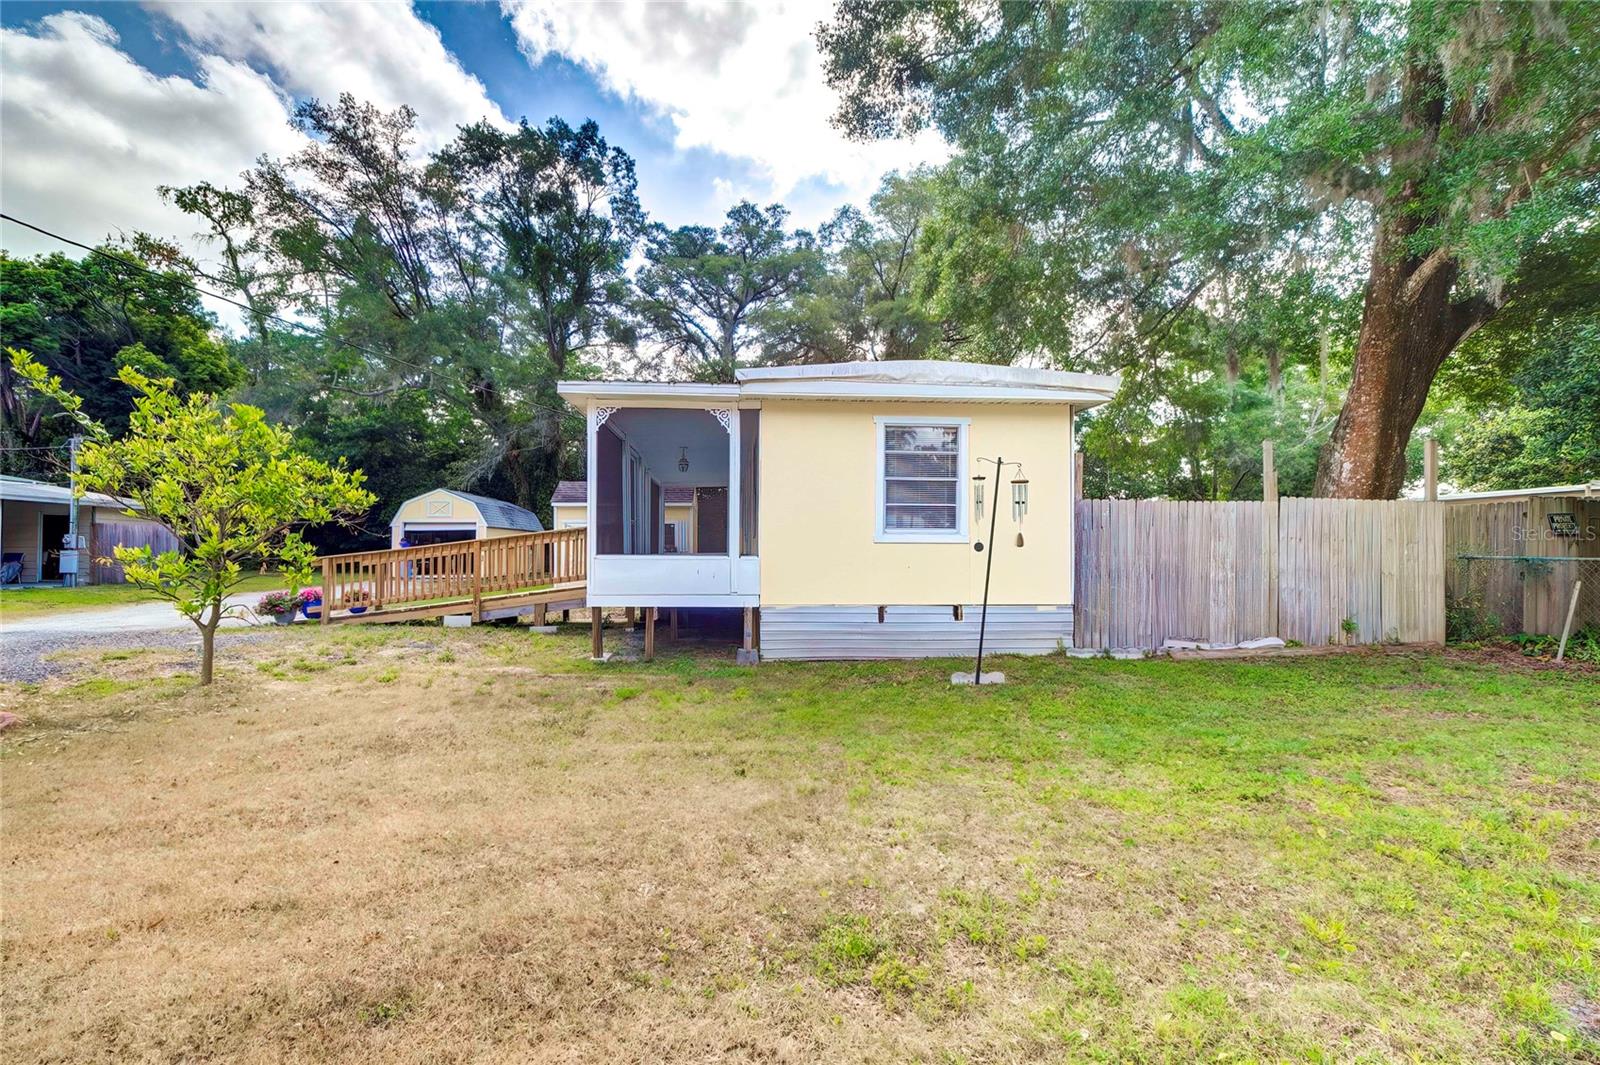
988 567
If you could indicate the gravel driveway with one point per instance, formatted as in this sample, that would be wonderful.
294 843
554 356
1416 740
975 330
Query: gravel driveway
26 643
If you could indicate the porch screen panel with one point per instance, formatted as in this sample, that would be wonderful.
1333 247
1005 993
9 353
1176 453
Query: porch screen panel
607 491
921 482
711 521
655 517
749 481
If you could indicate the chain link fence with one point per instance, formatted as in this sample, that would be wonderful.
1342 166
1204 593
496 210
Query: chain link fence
1504 595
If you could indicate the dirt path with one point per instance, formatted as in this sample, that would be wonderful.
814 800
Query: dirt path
29 642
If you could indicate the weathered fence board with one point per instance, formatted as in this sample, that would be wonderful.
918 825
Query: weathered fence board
1153 570
108 535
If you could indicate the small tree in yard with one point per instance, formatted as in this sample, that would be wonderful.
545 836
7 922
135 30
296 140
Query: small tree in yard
231 486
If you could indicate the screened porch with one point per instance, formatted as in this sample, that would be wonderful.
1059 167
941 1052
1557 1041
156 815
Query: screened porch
673 496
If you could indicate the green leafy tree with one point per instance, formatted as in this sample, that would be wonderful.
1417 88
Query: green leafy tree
462 286
358 234
1119 162
231 486
1546 432
84 319
559 210
1519 404
709 298
230 226
1190 419
404 446
868 303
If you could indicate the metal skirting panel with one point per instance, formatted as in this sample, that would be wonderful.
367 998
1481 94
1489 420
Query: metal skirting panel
692 602
833 632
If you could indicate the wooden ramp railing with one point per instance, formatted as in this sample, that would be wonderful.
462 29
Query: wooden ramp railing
415 582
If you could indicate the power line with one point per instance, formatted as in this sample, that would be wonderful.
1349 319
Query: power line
292 324
140 266
311 330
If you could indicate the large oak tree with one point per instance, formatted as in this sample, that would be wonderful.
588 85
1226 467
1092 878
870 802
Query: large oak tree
1127 160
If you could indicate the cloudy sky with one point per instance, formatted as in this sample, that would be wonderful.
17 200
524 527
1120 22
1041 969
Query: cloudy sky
100 103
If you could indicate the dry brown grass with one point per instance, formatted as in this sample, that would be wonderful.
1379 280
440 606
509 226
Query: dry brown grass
412 845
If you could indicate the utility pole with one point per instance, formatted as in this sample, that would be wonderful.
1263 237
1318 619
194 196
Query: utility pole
71 579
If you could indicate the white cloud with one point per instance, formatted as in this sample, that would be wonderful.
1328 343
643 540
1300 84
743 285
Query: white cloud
382 53
89 133
745 80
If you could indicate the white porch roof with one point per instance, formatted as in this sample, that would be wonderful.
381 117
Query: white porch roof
908 380
665 392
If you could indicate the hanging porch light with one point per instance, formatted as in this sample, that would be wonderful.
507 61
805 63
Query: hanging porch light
683 459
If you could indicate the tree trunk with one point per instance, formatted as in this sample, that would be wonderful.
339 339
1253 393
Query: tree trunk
208 648
1408 322
519 472
1405 338
727 355
533 461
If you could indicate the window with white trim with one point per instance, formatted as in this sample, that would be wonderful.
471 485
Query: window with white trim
921 482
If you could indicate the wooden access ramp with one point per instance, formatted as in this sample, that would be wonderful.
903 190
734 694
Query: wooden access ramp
501 577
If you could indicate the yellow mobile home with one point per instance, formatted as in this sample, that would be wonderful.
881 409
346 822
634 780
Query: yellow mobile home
846 502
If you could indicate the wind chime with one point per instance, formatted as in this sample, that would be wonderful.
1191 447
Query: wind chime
1019 509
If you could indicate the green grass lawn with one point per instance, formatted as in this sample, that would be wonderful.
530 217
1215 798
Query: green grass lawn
16 603
402 838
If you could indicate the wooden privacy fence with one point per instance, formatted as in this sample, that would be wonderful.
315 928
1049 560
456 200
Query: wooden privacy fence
466 574
1493 569
106 536
1317 571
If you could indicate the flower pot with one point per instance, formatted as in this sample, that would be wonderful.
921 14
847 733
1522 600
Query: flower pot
358 610
312 609
283 619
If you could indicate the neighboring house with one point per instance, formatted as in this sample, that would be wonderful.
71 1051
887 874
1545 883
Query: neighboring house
1577 491
570 507
839 500
35 517
442 516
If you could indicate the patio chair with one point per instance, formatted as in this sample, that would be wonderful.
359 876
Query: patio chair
11 568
